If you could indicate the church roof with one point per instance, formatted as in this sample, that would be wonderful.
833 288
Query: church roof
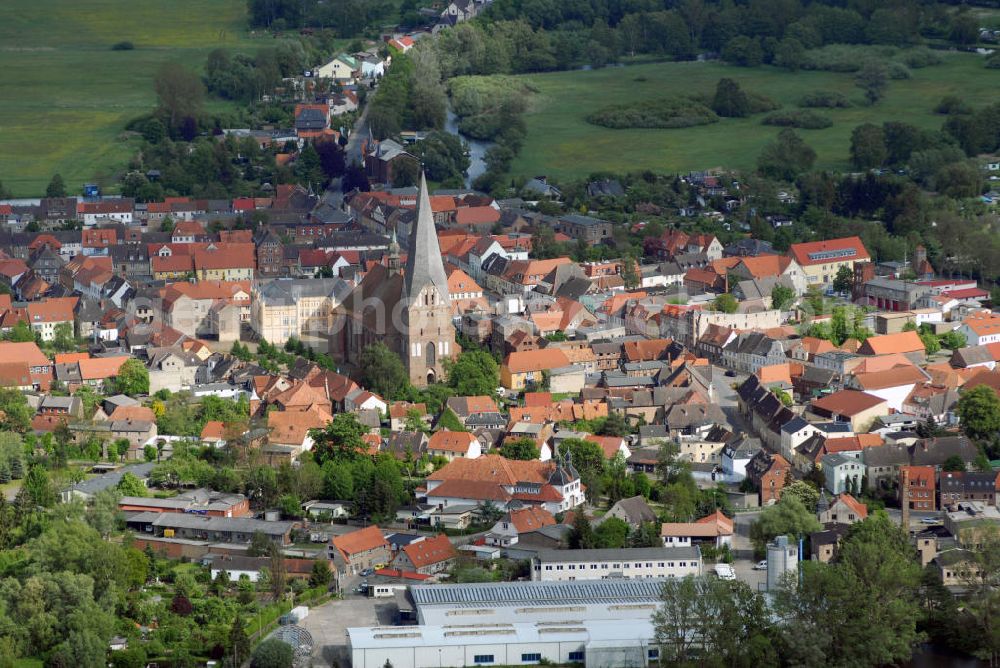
423 262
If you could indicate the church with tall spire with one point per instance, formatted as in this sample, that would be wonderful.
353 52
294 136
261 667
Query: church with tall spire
407 308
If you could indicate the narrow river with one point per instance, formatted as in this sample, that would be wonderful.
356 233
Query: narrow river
477 149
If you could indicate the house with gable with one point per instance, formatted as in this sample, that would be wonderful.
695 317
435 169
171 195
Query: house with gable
516 522
429 556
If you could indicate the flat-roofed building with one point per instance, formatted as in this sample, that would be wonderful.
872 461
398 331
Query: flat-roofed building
633 563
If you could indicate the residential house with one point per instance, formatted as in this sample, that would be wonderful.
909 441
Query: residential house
515 523
428 556
522 369
768 473
359 550
860 409
501 481
821 260
956 487
453 445
980 329
716 529
920 483
343 68
843 473
906 343
844 509
634 511
26 357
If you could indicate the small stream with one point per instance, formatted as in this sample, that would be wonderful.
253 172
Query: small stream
477 149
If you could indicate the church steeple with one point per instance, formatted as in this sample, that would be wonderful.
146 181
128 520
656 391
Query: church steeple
394 259
424 265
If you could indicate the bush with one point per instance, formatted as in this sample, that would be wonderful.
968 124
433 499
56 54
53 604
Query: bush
952 104
665 113
825 98
899 71
993 62
486 106
272 654
759 103
123 46
918 58
807 120
844 57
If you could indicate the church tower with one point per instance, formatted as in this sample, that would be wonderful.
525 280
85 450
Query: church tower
427 330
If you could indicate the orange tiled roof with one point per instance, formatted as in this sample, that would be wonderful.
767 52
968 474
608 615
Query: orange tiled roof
531 518
451 441
362 540
430 551
886 344
535 360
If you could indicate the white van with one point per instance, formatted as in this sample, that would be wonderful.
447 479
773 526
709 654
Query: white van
725 572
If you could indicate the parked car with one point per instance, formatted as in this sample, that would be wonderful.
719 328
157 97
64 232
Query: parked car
930 520
760 565
731 374
368 571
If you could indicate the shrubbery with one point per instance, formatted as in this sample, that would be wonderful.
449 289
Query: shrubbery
676 112
485 106
805 119
825 98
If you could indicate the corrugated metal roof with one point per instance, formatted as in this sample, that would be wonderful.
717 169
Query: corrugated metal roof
538 593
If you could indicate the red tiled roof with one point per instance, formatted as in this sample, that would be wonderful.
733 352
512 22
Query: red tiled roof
213 429
535 360
369 538
860 509
29 352
531 518
99 368
847 402
801 252
430 551
451 441
610 445
886 344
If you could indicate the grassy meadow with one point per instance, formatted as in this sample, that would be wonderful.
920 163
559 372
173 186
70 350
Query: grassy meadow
66 96
561 144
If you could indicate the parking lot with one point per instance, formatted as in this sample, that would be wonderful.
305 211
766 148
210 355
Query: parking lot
328 625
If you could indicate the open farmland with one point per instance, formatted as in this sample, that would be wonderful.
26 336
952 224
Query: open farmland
67 96
562 144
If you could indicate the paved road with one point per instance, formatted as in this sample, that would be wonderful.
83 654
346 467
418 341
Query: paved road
328 625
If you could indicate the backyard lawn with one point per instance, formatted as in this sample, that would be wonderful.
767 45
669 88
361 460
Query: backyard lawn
67 96
561 144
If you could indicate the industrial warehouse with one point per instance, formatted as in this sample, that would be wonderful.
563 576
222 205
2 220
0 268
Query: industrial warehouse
599 623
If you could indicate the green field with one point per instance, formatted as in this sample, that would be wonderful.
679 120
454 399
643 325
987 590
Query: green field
562 145
66 96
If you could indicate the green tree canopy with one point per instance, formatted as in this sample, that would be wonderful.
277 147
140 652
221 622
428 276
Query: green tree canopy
474 373
339 440
788 517
786 157
383 372
272 653
132 378
979 412
519 448
130 485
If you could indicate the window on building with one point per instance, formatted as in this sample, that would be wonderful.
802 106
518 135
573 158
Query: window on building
575 656
483 658
653 653
526 658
